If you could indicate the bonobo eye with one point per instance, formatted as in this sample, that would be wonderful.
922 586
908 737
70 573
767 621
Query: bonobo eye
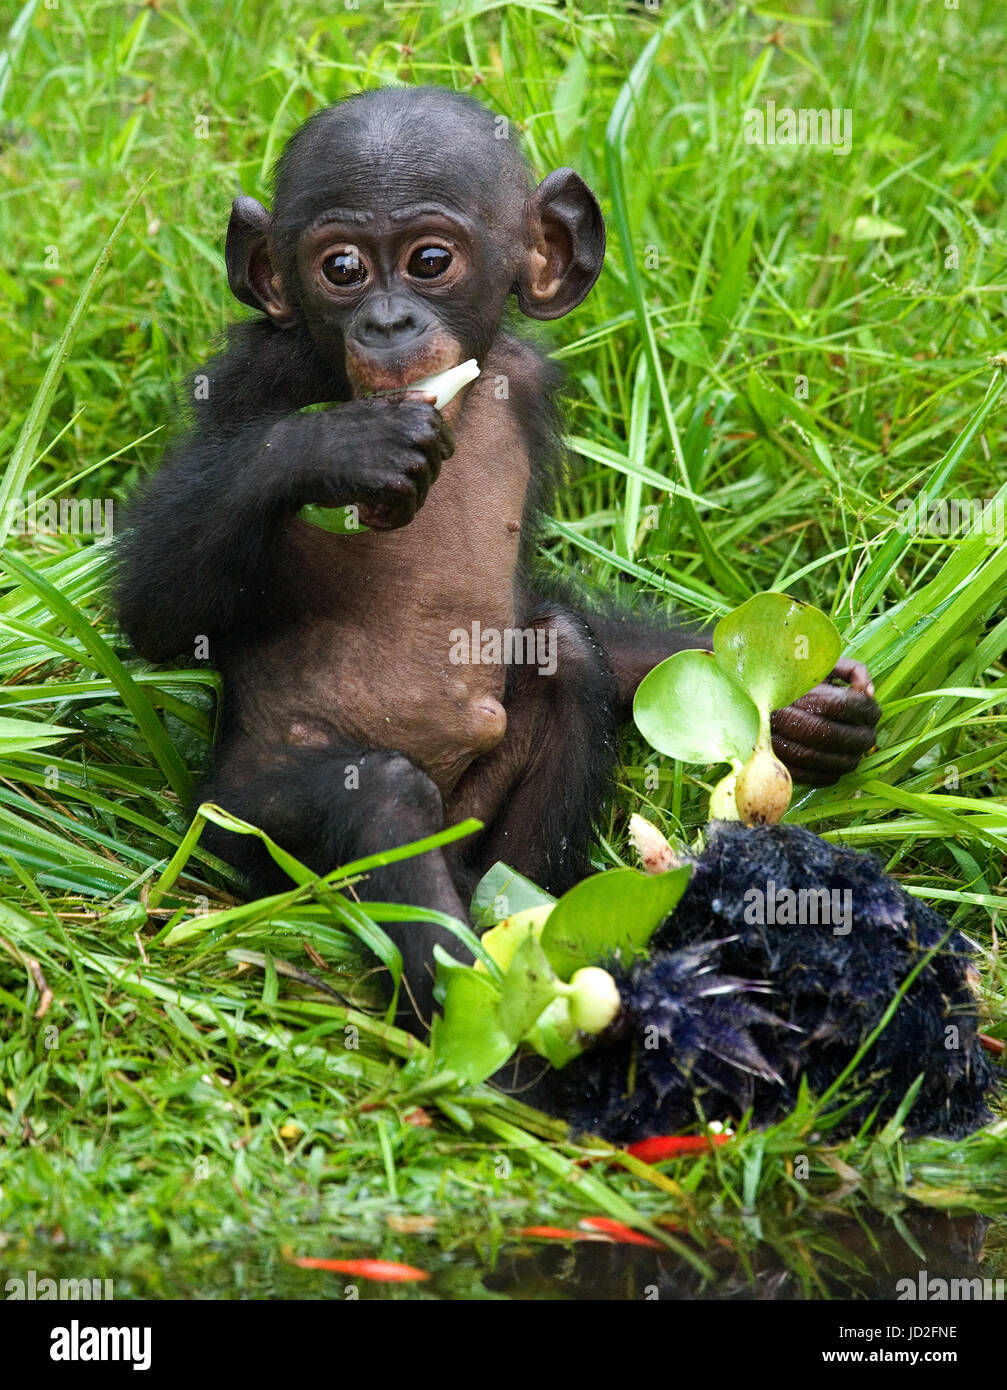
427 262
344 268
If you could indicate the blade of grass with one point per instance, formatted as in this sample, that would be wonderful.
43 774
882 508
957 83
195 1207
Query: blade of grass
109 665
22 459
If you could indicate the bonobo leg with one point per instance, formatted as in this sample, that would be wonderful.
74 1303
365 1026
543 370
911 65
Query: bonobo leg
540 790
820 736
329 805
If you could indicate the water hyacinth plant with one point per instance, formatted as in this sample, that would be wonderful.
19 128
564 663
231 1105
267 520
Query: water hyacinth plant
714 707
544 985
675 956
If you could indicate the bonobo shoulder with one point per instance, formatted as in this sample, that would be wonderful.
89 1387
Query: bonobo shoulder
528 373
262 370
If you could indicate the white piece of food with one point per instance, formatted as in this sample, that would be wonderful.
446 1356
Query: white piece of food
446 385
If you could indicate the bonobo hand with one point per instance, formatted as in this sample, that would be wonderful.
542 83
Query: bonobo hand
826 732
381 453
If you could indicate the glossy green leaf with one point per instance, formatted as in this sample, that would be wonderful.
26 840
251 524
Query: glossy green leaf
726 297
610 914
776 648
528 988
502 942
554 1036
338 521
22 735
469 1039
690 709
766 401
867 228
501 892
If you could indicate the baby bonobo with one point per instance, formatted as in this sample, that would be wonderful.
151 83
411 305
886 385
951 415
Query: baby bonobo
383 684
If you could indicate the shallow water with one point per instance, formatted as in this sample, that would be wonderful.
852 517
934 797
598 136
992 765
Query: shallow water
862 1261
826 1256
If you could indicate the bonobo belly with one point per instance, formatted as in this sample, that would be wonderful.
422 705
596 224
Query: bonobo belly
375 661
370 628
347 686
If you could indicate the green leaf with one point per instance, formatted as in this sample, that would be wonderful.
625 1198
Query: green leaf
571 88
22 735
610 914
776 648
469 1040
502 887
554 1037
690 709
727 296
338 521
687 343
866 228
502 942
528 988
766 401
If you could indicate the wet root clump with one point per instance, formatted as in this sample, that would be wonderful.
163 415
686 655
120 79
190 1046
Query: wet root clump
781 958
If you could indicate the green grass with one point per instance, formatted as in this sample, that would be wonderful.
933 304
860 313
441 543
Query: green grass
753 343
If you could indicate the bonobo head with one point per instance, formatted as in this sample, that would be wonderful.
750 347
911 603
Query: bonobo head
401 223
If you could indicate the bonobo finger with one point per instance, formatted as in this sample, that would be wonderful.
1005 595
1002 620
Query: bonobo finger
816 767
444 441
437 438
389 516
422 481
405 396
432 452
843 704
855 673
416 466
812 730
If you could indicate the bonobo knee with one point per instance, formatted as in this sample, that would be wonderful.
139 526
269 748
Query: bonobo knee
579 656
325 806
399 794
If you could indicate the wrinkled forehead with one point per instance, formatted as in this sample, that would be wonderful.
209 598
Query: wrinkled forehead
389 163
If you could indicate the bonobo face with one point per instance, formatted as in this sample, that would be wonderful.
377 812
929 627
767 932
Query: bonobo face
407 278
402 223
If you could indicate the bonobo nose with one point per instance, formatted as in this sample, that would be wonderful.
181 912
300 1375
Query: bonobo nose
388 322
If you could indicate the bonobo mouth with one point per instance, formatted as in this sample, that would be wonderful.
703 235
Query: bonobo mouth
370 372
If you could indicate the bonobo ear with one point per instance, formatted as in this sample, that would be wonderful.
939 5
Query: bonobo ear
568 246
250 270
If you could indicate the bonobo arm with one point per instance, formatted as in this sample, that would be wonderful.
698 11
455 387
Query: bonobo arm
634 648
819 737
198 550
